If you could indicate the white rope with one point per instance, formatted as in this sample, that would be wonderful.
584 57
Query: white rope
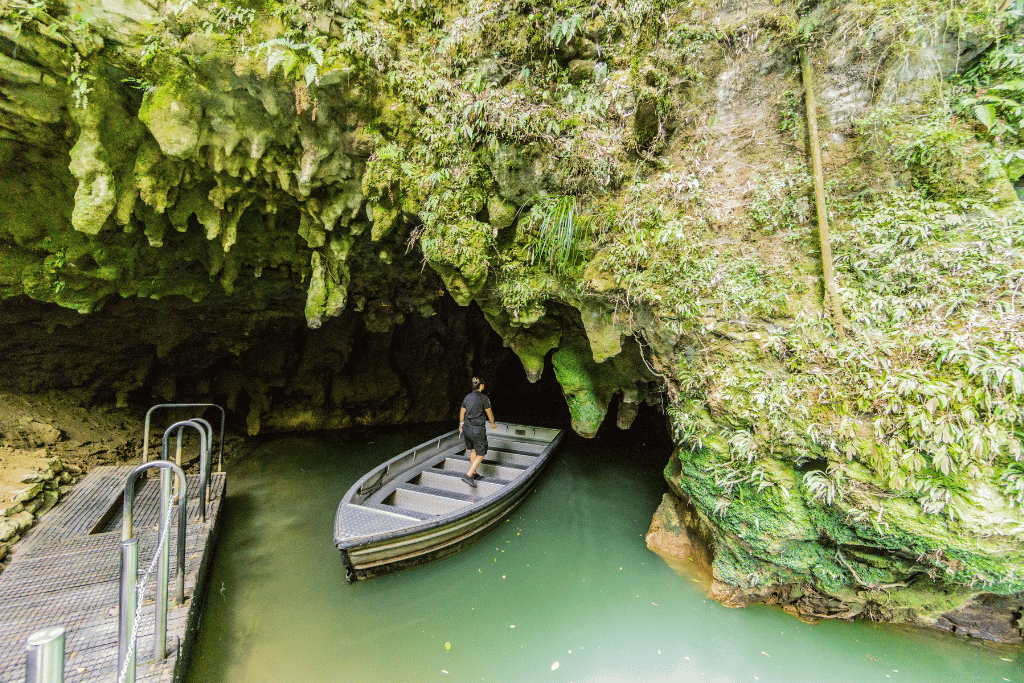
141 590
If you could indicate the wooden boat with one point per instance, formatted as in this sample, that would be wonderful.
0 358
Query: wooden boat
415 507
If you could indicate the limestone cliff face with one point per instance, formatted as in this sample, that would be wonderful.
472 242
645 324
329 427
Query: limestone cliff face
304 209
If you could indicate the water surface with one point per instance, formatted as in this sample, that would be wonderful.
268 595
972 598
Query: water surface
565 591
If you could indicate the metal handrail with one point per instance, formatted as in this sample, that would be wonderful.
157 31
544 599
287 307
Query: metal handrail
130 564
209 436
44 656
223 420
204 455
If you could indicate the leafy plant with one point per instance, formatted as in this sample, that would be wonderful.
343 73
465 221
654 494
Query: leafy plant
560 231
822 487
20 12
292 57
1012 480
781 202
993 94
80 81
565 29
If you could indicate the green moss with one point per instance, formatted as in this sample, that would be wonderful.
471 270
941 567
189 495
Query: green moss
587 386
172 114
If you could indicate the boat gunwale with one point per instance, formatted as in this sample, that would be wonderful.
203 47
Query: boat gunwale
485 502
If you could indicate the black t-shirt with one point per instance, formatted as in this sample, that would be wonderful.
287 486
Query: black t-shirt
475 404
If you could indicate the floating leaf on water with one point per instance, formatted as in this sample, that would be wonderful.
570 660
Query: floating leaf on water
447 646
554 666
765 653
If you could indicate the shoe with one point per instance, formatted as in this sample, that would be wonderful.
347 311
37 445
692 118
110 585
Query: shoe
469 480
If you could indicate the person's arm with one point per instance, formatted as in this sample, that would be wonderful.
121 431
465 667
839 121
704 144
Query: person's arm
491 415
462 418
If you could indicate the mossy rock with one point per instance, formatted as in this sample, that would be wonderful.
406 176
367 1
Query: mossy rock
173 115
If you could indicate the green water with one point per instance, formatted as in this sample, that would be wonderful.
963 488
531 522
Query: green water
565 591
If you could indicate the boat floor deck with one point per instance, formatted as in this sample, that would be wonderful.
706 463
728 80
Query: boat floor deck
67 573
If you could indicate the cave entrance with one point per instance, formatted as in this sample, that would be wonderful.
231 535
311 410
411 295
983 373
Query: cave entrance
515 399
542 404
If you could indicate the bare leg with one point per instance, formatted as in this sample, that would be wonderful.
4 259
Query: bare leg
474 462
468 476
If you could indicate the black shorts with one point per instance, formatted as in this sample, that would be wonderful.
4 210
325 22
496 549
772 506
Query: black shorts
475 438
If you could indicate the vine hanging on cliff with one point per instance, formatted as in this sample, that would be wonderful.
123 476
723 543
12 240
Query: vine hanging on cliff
832 302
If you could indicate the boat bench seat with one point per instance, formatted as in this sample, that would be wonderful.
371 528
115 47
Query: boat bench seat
436 492
505 472
457 475
401 511
503 456
423 499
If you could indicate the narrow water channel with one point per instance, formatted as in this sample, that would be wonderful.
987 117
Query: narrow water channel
565 591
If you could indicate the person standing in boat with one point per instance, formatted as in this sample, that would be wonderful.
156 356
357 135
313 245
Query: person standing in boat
476 410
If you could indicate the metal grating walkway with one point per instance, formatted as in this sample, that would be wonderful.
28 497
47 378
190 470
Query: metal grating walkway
67 570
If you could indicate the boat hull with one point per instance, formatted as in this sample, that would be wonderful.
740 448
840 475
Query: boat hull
370 554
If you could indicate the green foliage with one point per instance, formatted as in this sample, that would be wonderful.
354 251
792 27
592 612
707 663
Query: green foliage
791 113
943 403
906 259
823 487
992 92
941 154
80 81
521 288
929 397
782 201
1012 480
565 29
21 12
295 59
559 231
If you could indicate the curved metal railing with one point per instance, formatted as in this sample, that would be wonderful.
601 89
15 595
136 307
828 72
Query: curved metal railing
130 600
204 454
223 419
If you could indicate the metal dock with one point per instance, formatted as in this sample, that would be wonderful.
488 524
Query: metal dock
67 573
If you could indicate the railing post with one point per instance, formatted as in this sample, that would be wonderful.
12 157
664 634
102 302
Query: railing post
130 564
204 455
128 605
205 462
162 570
44 656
